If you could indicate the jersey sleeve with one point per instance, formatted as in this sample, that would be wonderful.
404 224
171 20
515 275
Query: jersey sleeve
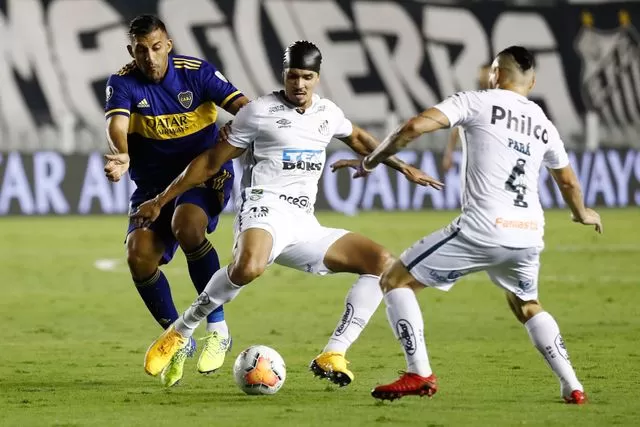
244 128
118 97
217 88
556 155
343 126
461 108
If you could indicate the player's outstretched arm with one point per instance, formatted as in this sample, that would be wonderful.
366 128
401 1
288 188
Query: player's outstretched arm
569 186
428 121
197 172
118 161
447 158
364 144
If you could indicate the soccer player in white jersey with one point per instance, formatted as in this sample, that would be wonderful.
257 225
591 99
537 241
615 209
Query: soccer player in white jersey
506 139
283 137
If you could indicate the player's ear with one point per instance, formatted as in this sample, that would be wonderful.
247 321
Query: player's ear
533 83
170 45
130 50
496 77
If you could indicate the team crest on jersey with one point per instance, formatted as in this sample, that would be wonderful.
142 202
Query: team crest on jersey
609 79
324 128
108 93
185 98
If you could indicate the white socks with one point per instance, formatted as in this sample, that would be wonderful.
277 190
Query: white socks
361 302
406 321
218 291
545 335
220 327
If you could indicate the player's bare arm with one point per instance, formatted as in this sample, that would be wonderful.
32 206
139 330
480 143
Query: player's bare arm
364 144
447 158
118 161
236 105
572 194
197 172
428 121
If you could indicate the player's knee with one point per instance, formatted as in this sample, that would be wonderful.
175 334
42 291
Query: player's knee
246 270
141 264
530 309
189 236
382 262
387 282
523 310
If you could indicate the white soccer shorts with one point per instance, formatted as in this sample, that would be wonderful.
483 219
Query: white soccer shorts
441 258
299 241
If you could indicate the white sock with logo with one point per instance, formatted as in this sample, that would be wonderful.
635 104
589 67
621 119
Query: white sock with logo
361 302
218 291
405 318
545 335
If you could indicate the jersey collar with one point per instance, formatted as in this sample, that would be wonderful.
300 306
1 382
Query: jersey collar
283 98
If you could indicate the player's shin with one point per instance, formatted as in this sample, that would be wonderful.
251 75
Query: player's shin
405 318
218 291
361 302
156 294
545 335
203 262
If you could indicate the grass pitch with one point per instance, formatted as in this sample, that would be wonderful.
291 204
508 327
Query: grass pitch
75 332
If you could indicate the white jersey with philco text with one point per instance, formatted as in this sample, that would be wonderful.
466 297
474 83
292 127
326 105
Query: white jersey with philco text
506 139
286 149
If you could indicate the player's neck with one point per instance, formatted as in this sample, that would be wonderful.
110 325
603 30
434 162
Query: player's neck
300 109
515 88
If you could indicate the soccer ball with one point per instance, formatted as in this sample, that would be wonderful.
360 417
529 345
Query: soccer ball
259 370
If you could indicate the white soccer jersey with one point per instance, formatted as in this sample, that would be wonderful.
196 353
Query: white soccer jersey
285 149
506 139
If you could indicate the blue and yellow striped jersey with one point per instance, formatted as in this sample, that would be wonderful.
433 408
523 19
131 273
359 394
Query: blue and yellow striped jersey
171 122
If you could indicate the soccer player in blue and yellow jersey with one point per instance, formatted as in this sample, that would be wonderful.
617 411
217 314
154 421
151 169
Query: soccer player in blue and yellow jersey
161 113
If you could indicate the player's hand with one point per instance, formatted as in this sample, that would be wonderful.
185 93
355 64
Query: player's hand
225 131
117 165
447 161
350 163
417 176
146 213
591 217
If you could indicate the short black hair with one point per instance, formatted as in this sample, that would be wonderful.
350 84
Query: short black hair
302 54
521 56
142 25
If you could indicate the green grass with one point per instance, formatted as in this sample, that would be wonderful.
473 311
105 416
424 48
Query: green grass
75 336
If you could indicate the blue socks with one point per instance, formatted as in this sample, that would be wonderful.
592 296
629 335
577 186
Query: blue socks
203 262
156 294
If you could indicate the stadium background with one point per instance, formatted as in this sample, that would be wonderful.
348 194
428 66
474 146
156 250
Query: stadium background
74 330
57 55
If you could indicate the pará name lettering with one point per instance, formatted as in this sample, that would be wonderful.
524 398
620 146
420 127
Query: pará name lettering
519 147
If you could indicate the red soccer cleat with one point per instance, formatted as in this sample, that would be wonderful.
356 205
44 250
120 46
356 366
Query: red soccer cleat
576 397
407 385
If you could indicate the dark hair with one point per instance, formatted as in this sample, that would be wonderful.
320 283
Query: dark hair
302 54
142 25
522 56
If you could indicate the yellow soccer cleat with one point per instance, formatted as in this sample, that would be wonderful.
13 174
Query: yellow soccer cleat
333 366
216 347
172 374
161 351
